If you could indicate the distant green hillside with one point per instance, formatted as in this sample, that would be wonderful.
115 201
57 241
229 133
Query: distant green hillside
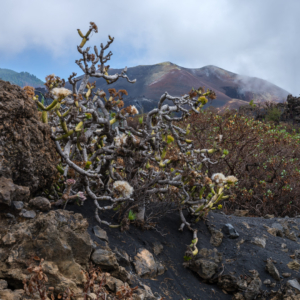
21 79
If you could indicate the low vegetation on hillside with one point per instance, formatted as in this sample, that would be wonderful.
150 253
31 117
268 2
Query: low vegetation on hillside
264 156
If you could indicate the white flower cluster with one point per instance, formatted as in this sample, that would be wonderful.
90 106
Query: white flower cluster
123 187
81 196
133 110
60 92
231 179
120 140
220 179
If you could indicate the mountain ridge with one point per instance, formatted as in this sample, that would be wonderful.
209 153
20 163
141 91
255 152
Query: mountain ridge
154 80
21 79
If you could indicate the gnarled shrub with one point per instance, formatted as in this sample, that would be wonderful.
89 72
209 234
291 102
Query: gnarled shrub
145 170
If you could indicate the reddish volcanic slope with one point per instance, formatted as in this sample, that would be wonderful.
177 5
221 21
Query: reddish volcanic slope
179 82
152 81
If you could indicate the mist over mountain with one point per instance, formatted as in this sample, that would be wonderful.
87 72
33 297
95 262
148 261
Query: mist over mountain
232 90
154 80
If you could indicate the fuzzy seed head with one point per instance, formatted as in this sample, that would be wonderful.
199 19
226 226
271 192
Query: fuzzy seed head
134 110
101 94
120 140
207 181
219 178
231 179
173 189
61 92
123 187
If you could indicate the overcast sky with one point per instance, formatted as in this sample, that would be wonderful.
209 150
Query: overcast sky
258 38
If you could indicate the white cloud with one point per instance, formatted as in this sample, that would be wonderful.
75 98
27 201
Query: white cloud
254 38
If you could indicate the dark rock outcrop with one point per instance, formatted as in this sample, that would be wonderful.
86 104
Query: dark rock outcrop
10 192
294 107
27 154
289 111
60 238
60 243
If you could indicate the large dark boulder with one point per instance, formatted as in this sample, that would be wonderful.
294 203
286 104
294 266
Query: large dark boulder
290 110
27 154
294 107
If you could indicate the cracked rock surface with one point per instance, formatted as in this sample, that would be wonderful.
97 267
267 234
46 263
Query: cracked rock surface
28 156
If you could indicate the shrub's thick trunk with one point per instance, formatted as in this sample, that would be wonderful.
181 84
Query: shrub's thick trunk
140 216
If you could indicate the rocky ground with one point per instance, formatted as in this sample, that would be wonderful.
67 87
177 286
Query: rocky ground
254 258
239 257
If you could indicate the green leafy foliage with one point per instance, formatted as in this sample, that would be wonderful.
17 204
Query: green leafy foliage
273 114
187 258
170 139
251 103
131 215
